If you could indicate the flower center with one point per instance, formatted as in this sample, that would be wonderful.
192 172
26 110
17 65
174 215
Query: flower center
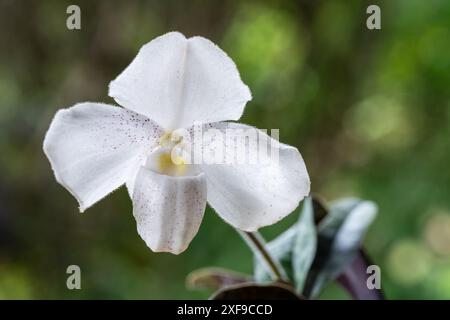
171 165
167 158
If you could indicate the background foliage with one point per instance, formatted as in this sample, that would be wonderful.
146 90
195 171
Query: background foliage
369 110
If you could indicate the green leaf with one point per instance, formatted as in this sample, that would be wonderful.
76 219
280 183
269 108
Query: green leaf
304 245
340 235
281 250
295 248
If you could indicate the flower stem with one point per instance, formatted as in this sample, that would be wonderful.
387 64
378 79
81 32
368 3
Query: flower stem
256 242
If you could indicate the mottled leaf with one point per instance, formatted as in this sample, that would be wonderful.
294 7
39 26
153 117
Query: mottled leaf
339 238
302 236
304 246
281 250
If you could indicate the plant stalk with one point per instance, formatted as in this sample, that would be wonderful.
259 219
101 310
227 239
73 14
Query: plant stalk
258 245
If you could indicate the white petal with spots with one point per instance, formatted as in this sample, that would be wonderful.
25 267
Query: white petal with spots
93 148
168 210
254 194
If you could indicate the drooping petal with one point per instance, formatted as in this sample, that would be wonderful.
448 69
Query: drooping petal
168 210
93 148
256 191
177 81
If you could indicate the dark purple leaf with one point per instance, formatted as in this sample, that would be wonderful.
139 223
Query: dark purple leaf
354 279
252 291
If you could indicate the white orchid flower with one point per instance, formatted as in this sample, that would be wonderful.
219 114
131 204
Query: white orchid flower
172 83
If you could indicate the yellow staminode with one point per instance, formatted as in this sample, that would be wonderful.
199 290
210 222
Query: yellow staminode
169 166
167 162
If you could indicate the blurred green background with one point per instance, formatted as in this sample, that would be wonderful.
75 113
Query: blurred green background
369 111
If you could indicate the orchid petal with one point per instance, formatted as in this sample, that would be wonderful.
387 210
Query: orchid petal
253 195
93 147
